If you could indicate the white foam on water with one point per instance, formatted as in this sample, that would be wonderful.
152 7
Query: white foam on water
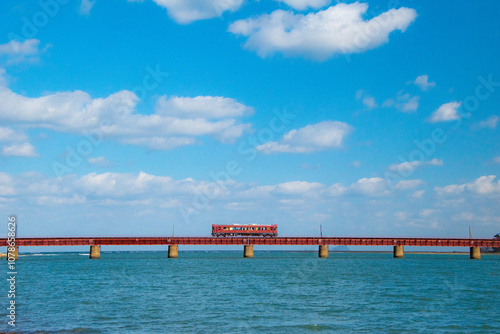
42 254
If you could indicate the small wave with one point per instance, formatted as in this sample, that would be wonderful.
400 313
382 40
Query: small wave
85 254
43 254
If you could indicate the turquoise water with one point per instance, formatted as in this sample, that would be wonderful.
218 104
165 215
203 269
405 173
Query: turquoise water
275 292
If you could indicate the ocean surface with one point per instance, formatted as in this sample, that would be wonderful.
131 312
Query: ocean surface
275 292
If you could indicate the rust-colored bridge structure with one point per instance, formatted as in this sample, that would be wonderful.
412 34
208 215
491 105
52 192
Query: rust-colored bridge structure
249 242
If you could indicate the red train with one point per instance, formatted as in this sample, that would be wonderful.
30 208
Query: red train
244 230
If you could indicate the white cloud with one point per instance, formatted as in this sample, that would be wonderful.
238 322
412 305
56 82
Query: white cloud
322 136
491 122
163 191
177 121
187 11
423 82
9 135
418 194
427 212
19 150
55 200
368 101
86 6
201 106
408 184
497 160
305 4
16 52
339 29
409 105
292 188
446 112
452 189
482 185
160 143
410 165
403 102
374 186
299 187
337 190
124 185
102 162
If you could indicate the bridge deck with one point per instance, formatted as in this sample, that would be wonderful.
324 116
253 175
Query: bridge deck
348 241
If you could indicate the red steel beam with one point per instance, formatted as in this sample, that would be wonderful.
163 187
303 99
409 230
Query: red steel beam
348 241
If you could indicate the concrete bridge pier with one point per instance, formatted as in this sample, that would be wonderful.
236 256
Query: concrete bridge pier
248 251
475 253
95 252
323 251
173 251
398 252
12 253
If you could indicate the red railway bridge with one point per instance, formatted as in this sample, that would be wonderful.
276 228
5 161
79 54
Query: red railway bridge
249 242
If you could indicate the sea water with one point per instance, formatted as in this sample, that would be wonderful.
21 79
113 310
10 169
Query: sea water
274 292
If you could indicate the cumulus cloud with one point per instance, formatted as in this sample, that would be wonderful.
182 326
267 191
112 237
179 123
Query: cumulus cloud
322 136
305 4
483 185
368 101
447 112
339 29
15 52
374 186
201 106
187 11
178 121
292 188
163 191
423 82
408 184
408 105
418 194
370 187
411 165
403 102
102 162
19 150
490 123
9 135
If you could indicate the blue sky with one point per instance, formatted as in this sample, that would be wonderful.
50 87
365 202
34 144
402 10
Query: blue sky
307 112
